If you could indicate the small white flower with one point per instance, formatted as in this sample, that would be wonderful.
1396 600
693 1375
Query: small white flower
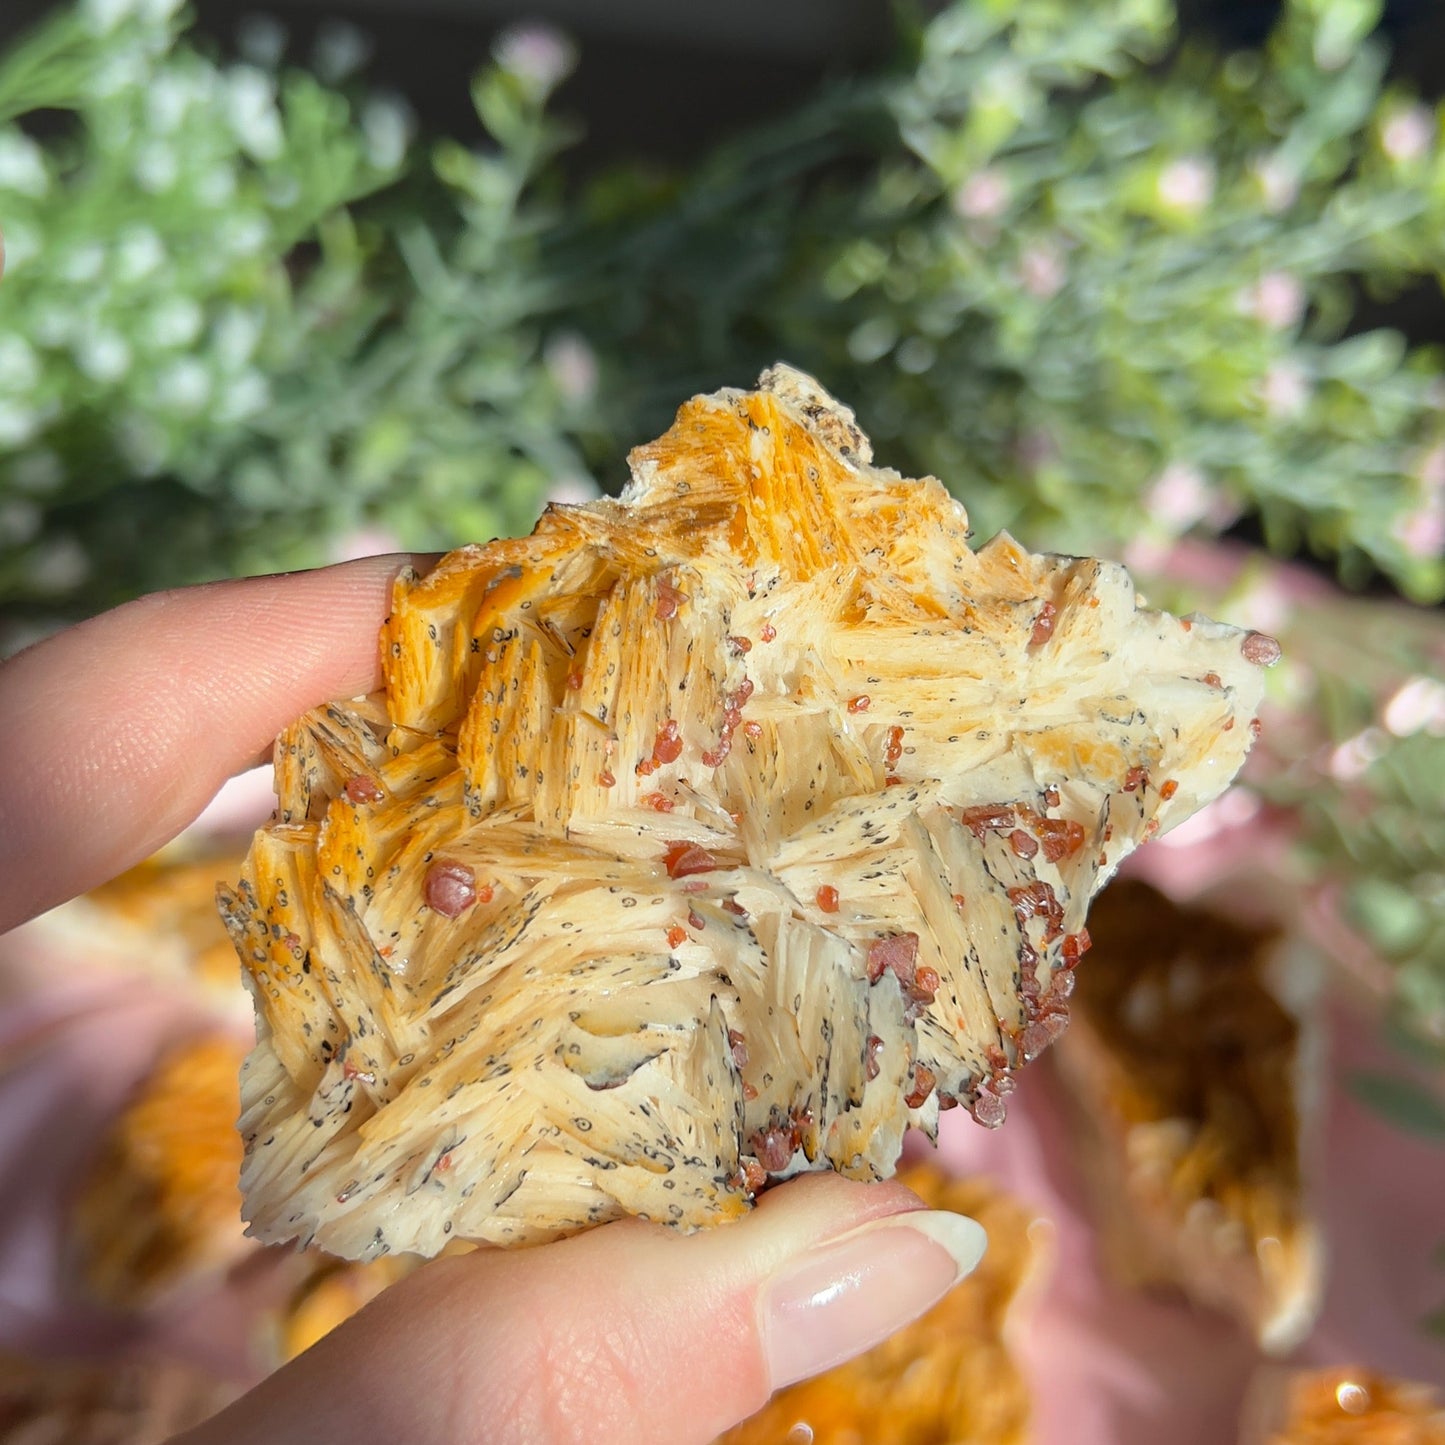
1276 300
19 368
246 235
572 365
1285 391
237 334
52 325
387 125
915 355
1418 706
185 385
536 53
341 50
243 398
18 245
1352 758
17 424
983 196
19 522
176 322
1278 184
121 70
1179 497
138 254
872 340
156 167
58 566
1187 185
168 98
217 186
103 356
1042 271
251 110
22 165
1406 135
82 264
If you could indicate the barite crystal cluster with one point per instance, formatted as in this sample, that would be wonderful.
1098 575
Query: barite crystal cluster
707 835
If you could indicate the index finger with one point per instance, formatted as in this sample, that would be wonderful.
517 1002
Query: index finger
118 731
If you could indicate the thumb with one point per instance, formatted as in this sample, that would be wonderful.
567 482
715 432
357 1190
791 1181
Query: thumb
628 1333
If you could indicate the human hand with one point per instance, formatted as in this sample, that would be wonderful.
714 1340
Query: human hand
119 732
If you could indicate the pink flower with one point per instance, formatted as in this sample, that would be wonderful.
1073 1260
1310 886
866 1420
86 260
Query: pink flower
983 196
536 53
572 365
1285 390
1278 184
1422 531
1187 185
1406 135
1277 300
1180 497
1042 271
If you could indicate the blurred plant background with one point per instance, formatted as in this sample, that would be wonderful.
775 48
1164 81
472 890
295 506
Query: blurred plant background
1119 280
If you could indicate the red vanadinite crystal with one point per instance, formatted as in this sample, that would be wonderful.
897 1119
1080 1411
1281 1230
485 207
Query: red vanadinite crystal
1043 625
925 984
683 858
923 1082
1260 649
896 951
669 599
449 888
668 747
362 789
1061 837
738 1046
984 818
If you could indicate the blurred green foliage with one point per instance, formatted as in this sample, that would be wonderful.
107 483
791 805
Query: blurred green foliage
1099 293
1101 280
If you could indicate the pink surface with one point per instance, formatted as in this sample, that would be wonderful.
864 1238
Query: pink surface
74 1046
1109 1367
1115 1367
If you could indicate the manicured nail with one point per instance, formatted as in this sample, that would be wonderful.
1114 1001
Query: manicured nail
846 1295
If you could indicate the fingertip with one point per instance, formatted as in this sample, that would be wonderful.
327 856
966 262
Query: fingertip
122 728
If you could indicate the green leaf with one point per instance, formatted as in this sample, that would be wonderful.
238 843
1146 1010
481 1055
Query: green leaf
1405 1103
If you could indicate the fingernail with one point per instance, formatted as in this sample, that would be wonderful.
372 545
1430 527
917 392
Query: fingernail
848 1294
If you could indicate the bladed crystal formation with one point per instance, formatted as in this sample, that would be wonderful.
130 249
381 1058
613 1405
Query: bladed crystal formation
707 835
